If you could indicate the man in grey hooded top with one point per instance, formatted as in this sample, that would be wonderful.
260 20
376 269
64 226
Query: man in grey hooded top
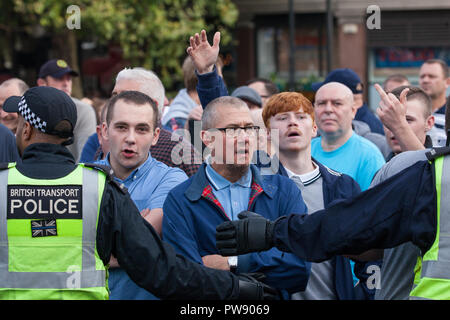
186 100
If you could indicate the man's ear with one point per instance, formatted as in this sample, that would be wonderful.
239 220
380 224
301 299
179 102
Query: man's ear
211 138
205 137
105 130
98 130
429 123
41 82
314 129
354 110
27 131
156 136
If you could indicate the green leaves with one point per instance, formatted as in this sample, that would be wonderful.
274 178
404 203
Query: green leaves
152 33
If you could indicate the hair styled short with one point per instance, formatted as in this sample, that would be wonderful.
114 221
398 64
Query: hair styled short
442 63
285 102
270 87
210 114
397 78
135 97
416 93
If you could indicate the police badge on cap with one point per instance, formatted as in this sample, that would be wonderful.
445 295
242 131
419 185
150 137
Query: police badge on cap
56 68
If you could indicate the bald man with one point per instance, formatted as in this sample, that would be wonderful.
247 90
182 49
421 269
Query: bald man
338 146
341 149
10 87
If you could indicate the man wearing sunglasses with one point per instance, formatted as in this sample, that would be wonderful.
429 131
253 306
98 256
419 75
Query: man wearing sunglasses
225 184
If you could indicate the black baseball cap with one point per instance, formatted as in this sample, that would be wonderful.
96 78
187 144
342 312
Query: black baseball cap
56 68
44 107
346 76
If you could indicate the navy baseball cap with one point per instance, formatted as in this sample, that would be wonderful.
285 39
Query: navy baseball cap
345 76
249 94
44 108
56 68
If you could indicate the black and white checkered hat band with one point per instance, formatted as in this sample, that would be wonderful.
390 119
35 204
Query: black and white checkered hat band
30 116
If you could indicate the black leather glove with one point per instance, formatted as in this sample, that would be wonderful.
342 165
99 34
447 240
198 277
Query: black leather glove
251 287
249 234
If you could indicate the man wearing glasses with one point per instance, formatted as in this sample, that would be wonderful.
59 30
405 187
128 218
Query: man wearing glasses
226 184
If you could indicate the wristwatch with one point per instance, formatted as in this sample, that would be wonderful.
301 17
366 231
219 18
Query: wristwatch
232 262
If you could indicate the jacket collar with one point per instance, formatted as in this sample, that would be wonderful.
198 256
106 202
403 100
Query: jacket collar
137 173
325 172
46 161
47 153
200 182
219 182
428 142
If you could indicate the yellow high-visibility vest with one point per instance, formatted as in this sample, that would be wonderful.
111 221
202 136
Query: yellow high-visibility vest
432 280
48 231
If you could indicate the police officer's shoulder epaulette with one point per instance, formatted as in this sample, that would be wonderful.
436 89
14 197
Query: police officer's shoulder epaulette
437 152
109 175
100 167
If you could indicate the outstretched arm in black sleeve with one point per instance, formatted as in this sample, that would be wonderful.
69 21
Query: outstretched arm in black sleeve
401 209
154 265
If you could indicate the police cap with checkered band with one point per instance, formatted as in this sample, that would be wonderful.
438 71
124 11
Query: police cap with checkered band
44 108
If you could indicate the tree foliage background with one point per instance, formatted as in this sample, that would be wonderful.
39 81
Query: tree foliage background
152 33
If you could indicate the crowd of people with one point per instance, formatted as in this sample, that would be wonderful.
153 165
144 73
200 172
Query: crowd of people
236 162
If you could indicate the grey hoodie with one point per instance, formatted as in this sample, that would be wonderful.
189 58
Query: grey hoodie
363 129
180 107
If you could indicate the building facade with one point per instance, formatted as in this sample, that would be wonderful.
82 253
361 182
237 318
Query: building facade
374 38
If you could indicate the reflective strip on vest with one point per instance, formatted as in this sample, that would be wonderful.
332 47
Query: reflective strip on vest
434 281
89 276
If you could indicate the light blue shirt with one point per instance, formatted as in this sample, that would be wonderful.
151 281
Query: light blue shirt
358 157
233 197
150 183
148 186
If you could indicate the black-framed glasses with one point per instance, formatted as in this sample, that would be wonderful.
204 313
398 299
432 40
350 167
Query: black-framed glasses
237 131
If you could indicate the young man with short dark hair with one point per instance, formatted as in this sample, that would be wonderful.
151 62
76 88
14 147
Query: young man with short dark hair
406 116
434 80
131 128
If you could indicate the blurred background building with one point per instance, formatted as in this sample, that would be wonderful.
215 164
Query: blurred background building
411 32
293 42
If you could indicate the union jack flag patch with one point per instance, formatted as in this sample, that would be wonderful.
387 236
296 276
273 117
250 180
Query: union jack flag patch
43 228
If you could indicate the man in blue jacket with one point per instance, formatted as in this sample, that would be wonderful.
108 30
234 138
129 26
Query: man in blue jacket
225 185
293 116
